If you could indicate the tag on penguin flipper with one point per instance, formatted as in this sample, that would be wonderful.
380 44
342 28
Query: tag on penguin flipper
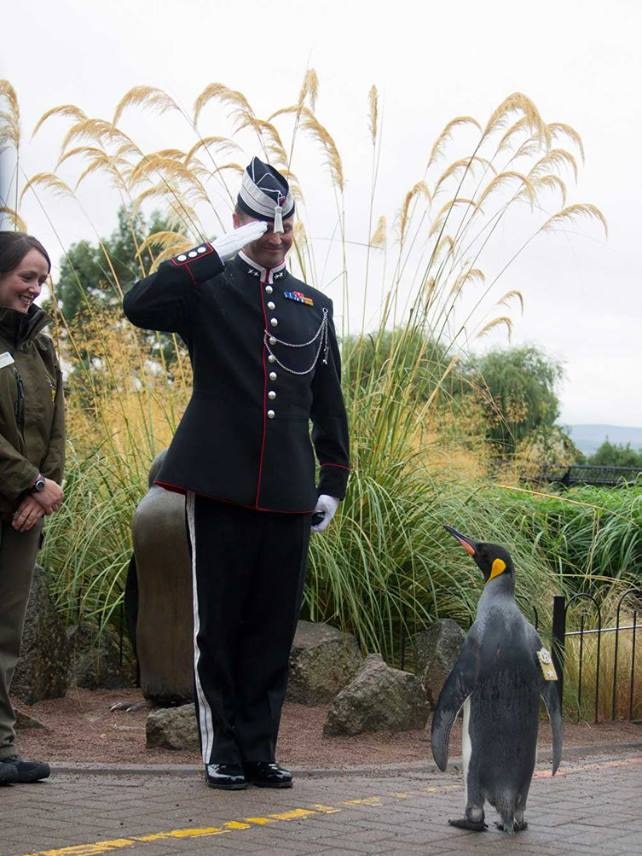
546 665
6 359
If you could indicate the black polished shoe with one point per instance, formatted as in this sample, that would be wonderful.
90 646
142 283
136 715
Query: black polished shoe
26 771
228 777
8 772
267 774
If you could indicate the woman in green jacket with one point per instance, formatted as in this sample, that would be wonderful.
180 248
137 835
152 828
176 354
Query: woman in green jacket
32 442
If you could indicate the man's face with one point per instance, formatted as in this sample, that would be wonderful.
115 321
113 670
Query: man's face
272 247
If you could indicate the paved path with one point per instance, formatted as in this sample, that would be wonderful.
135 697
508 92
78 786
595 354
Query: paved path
593 805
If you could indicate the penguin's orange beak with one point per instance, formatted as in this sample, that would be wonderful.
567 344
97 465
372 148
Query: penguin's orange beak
468 544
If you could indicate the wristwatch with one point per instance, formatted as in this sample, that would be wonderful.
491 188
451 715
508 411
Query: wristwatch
39 484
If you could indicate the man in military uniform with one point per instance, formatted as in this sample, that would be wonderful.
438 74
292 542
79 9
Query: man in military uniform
265 363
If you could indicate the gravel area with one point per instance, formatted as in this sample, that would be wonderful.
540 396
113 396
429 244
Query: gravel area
82 728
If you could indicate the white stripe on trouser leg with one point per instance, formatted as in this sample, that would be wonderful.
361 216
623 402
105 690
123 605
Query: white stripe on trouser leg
204 710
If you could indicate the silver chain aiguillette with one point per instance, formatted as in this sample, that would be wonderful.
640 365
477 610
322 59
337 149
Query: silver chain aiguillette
321 334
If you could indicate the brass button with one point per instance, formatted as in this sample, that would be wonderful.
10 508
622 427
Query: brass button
268 289
274 322
271 305
272 340
271 357
271 414
272 375
271 395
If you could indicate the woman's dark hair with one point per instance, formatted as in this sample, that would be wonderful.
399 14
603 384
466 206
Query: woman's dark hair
14 246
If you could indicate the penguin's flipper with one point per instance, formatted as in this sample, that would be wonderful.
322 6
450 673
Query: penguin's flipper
549 691
459 685
550 694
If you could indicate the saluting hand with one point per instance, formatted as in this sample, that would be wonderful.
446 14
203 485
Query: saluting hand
228 245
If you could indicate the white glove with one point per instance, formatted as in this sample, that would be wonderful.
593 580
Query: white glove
228 245
326 505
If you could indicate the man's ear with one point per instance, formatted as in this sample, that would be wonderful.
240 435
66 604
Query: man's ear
236 220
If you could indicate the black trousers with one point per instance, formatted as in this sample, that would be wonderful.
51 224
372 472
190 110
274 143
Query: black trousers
248 572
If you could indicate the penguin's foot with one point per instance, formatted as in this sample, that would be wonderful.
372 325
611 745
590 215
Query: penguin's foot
472 825
518 826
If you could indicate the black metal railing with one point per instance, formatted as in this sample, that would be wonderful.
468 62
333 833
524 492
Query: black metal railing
591 474
560 634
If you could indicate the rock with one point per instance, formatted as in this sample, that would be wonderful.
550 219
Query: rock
323 661
42 670
100 659
379 698
24 721
437 649
164 635
172 728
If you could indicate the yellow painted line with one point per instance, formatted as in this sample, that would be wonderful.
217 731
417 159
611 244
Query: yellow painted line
294 814
325 809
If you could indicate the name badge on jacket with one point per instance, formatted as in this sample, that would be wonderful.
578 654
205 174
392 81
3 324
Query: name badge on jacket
5 359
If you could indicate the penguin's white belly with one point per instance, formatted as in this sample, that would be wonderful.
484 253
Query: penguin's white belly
466 744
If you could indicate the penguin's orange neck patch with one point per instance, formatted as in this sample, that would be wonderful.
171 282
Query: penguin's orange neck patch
498 567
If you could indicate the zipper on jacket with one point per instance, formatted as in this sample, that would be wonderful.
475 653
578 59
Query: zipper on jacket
20 403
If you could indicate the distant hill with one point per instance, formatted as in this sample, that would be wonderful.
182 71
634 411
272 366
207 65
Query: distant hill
588 438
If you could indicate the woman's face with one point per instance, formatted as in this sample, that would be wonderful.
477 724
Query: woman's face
22 285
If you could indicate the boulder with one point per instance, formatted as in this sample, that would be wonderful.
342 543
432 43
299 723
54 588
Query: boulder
24 721
172 728
100 658
42 670
379 698
437 649
323 661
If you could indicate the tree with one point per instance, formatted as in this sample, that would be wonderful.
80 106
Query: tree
92 276
369 360
88 295
518 390
616 455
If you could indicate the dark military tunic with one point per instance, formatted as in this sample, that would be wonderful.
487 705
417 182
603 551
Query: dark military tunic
266 362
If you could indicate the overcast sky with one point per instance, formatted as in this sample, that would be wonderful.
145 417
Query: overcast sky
580 62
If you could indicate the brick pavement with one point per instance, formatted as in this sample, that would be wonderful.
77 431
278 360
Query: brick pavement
591 806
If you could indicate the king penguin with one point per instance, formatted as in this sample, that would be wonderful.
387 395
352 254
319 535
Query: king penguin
501 673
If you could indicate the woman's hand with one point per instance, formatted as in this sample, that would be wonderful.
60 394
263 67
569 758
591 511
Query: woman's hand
50 498
28 514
